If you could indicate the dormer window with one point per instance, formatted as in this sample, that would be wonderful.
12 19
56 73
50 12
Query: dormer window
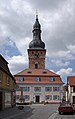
44 72
21 79
29 72
52 79
38 79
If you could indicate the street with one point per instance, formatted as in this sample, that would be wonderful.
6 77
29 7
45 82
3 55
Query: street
35 111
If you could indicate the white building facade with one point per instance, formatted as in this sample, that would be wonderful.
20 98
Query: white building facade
40 93
70 93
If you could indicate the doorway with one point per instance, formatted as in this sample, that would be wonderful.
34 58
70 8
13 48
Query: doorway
37 99
0 100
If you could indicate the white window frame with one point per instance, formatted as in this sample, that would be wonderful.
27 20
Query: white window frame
37 89
56 97
47 89
56 89
26 89
48 97
26 97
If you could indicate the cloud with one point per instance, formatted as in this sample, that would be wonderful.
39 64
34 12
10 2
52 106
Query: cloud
60 63
71 48
65 72
57 18
46 5
17 63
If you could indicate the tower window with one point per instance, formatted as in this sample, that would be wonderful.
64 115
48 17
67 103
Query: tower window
32 52
36 66
41 52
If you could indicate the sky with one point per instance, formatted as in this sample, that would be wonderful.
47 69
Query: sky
57 19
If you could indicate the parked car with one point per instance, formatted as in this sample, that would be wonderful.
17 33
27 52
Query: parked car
65 107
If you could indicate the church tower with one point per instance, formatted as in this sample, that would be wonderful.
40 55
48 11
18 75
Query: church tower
36 51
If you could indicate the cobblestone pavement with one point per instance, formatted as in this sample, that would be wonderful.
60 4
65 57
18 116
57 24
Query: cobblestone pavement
35 111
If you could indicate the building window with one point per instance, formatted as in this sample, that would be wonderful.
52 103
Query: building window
37 89
48 97
52 79
48 88
18 97
73 89
18 89
55 88
26 97
56 97
26 89
21 79
7 80
1 76
38 79
7 99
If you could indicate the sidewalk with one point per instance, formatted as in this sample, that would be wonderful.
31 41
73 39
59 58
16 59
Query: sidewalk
8 112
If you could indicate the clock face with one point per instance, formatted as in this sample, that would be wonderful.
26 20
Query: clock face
37 55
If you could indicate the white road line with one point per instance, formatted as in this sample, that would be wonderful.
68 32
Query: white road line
52 116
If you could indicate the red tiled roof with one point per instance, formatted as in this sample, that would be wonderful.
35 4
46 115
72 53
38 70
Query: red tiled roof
71 80
36 72
31 74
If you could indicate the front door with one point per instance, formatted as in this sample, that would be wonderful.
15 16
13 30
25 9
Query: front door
0 100
37 99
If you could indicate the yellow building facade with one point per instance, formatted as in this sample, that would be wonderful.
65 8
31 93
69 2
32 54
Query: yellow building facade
7 84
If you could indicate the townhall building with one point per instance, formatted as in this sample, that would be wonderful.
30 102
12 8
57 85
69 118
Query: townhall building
37 84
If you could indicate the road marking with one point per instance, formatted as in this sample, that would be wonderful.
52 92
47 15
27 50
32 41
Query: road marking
52 116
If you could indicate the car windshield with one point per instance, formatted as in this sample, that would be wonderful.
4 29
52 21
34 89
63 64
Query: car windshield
65 104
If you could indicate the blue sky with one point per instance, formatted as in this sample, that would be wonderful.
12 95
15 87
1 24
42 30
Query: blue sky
57 19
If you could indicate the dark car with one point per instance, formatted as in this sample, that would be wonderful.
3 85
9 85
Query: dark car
65 107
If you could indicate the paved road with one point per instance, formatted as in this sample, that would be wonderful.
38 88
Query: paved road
35 111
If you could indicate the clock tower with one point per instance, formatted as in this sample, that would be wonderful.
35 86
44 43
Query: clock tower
36 51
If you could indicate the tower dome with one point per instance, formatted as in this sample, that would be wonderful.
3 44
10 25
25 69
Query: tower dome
36 42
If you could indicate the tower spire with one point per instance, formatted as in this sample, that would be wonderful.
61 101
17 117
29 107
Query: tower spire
37 42
36 15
